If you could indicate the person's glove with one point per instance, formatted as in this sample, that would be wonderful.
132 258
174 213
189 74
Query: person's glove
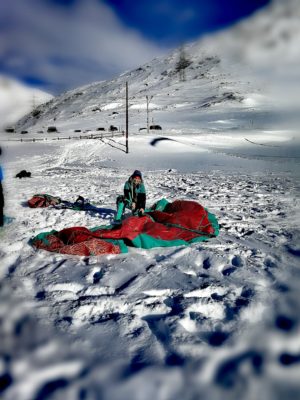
141 212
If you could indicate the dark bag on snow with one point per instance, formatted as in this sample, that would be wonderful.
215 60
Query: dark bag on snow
23 174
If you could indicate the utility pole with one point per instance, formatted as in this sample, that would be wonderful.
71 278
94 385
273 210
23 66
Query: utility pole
127 151
148 101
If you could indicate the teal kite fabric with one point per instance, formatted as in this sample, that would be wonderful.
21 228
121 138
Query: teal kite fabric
181 222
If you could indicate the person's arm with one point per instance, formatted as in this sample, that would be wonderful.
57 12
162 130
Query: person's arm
127 194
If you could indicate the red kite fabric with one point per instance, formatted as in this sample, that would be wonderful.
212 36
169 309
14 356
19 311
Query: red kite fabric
43 200
180 223
76 240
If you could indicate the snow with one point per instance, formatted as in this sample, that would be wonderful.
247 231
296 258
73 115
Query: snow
137 323
111 106
214 320
143 106
17 100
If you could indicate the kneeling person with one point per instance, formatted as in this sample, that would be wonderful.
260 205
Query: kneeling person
134 196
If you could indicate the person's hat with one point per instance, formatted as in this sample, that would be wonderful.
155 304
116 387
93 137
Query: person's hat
137 173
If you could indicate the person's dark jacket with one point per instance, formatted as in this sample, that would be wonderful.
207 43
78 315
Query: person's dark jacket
135 194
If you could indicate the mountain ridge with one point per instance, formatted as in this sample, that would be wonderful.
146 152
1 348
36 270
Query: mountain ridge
225 68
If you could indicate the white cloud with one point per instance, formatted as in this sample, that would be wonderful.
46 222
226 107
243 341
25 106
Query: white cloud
67 45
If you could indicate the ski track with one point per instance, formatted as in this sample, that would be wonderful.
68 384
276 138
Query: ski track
214 319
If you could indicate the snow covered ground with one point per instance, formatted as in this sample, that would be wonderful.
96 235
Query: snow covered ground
216 320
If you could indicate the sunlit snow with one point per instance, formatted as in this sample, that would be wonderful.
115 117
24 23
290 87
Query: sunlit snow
216 320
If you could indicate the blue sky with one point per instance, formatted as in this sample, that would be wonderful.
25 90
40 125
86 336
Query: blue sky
57 45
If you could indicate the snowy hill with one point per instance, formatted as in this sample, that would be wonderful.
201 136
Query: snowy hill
103 103
16 100
234 69
267 45
269 40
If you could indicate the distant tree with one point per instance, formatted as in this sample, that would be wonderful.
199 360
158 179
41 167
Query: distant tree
182 64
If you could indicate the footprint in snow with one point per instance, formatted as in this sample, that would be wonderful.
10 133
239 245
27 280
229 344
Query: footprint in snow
284 323
228 270
237 261
231 372
97 276
270 263
287 359
216 338
206 263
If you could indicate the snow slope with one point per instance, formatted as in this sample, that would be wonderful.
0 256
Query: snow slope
17 100
268 39
244 74
213 320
